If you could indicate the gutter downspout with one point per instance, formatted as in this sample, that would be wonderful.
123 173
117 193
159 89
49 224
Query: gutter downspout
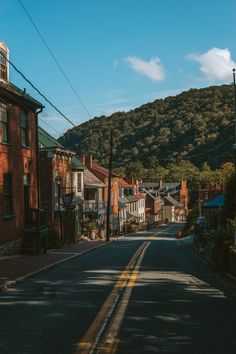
37 156
37 176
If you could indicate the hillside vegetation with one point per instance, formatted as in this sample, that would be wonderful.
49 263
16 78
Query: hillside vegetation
196 126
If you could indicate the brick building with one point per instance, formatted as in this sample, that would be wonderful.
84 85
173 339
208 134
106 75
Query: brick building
18 159
102 174
55 167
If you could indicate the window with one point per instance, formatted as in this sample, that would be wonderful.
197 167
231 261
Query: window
206 195
68 186
4 121
24 129
7 194
56 174
79 182
3 64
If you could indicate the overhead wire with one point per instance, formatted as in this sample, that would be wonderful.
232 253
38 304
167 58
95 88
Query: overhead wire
51 127
37 90
55 59
31 126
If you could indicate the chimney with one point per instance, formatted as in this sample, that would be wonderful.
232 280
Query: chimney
89 161
160 184
183 184
82 159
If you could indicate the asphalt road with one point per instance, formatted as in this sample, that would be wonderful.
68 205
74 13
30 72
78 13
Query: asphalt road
146 294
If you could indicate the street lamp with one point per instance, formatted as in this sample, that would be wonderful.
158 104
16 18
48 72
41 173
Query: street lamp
58 181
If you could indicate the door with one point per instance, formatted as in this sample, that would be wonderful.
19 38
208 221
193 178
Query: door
27 199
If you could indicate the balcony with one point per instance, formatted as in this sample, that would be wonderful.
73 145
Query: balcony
91 206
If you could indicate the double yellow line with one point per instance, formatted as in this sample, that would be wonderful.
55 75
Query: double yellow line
114 308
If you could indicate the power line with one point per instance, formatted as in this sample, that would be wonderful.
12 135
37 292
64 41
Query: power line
56 131
30 125
55 59
37 90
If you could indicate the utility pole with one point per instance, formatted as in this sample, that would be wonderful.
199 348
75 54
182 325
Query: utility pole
234 145
108 229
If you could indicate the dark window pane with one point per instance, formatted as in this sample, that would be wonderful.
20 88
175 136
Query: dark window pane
4 121
24 128
7 194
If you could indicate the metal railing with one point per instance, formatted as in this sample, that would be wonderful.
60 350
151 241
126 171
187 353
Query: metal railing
92 206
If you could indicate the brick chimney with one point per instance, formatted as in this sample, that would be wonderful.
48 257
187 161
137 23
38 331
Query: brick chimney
183 184
89 161
82 159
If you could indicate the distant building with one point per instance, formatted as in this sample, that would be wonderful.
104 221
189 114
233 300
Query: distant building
173 210
209 193
177 190
102 174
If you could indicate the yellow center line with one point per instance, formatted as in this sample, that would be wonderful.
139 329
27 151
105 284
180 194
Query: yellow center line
126 279
87 342
111 341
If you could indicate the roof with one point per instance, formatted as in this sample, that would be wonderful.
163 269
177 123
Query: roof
149 184
77 164
91 181
140 196
131 198
152 196
123 182
172 201
102 170
47 141
123 200
170 185
216 202
18 93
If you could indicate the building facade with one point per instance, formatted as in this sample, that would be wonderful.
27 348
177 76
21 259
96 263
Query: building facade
18 159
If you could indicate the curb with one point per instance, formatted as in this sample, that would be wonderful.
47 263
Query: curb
12 283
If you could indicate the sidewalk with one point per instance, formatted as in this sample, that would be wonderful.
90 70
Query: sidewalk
16 268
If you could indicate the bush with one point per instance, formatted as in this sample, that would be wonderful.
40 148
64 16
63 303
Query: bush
222 243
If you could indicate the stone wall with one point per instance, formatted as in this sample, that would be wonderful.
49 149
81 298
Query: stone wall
232 266
10 248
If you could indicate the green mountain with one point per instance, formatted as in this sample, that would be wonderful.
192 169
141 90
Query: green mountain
196 125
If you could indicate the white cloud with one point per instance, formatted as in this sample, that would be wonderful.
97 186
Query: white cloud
216 64
152 68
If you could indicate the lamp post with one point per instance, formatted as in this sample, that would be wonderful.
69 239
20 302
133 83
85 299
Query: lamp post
58 181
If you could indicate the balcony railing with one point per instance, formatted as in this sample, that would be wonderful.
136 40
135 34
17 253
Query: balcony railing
93 206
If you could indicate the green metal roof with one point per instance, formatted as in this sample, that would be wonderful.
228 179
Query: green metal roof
77 164
47 141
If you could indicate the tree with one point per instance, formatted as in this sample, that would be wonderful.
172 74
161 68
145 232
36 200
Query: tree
135 170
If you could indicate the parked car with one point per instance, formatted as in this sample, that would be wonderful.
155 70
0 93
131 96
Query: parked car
179 234
202 221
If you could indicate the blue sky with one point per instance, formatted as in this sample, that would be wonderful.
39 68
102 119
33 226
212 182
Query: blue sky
118 54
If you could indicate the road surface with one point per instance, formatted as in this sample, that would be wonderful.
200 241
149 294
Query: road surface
146 293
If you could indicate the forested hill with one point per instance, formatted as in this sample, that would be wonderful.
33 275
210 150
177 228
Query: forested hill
196 125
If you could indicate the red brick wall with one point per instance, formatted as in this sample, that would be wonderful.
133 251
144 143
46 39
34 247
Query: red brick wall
18 161
183 196
49 162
